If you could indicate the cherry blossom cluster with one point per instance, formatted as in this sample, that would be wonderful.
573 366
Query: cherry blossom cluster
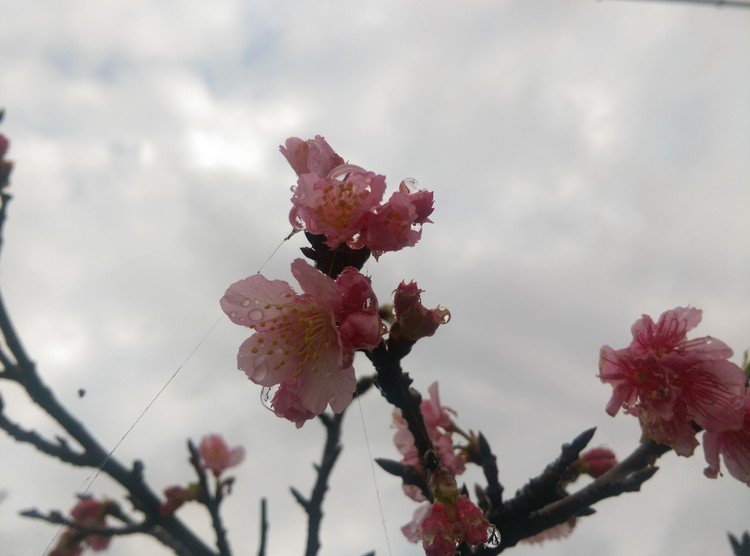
676 386
344 201
451 517
304 343
89 513
215 456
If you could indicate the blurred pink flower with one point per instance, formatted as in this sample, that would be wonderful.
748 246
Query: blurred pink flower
175 497
217 456
306 338
6 166
67 545
734 446
89 513
668 381
439 425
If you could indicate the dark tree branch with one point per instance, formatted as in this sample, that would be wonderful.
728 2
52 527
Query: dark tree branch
408 474
716 3
529 514
546 487
395 386
58 519
740 547
61 450
313 506
263 527
488 462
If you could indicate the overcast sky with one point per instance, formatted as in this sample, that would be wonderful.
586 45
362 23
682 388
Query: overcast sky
589 162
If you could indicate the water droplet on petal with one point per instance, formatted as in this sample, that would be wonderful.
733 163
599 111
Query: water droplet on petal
232 314
246 302
411 184
255 314
267 394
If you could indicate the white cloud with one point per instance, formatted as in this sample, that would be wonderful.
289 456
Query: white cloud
589 162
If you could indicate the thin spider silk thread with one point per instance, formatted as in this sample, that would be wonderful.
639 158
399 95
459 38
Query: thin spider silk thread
93 477
374 478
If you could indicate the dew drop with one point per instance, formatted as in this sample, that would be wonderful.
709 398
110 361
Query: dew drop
232 314
266 396
493 537
246 302
255 314
411 184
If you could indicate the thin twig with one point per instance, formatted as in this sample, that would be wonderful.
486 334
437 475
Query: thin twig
313 505
263 527
211 501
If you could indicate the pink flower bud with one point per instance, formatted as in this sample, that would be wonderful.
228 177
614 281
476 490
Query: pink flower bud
406 296
472 521
597 461
413 320
90 513
437 532
312 156
175 496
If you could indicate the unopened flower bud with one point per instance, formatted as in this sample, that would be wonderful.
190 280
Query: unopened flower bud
596 461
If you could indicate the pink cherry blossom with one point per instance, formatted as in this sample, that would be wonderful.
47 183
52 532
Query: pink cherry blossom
435 414
733 445
397 223
413 530
336 205
443 524
669 381
471 521
437 532
314 156
287 403
217 456
306 338
343 201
